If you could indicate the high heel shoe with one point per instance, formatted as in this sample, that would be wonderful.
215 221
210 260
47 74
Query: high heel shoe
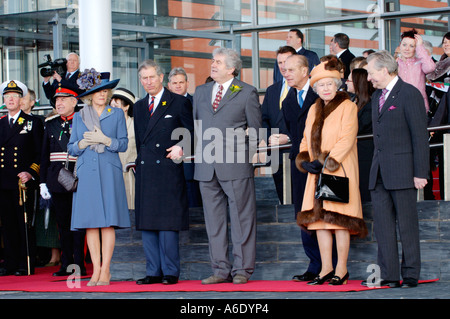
104 283
92 283
320 280
336 280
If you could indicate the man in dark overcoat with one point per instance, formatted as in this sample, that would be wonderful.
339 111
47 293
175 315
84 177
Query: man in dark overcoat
54 156
163 128
295 111
20 152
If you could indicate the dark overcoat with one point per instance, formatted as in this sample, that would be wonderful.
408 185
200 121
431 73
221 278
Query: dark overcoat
56 138
161 198
21 148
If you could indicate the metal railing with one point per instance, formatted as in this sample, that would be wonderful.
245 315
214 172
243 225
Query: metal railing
287 196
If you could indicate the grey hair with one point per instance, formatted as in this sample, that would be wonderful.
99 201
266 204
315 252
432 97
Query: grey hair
428 46
337 81
232 59
176 71
383 59
150 64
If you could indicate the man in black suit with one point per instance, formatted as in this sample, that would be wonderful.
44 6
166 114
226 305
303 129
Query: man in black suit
161 207
67 80
295 111
178 83
400 166
339 46
20 151
295 39
272 116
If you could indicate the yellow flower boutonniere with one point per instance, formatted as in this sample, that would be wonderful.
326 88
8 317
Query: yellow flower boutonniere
20 120
109 110
164 103
234 89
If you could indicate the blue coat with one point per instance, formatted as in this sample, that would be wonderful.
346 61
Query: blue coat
100 200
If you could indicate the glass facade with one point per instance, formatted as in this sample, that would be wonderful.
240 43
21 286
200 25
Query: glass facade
184 33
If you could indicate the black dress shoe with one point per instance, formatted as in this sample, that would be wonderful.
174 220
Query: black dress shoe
169 280
21 272
5 272
409 283
383 283
307 276
61 273
149 280
320 280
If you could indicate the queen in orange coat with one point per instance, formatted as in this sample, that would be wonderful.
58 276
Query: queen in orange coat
330 131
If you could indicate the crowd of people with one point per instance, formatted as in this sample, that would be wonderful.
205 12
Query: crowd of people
319 105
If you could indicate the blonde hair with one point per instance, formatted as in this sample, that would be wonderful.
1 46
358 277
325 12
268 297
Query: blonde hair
88 98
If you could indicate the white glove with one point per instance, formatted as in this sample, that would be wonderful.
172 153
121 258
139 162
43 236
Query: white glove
44 191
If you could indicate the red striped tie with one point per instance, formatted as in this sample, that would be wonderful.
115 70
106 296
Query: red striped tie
150 106
218 97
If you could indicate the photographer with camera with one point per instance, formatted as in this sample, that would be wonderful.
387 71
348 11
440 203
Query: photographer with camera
66 75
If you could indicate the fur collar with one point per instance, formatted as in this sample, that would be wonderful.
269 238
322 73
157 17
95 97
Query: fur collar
322 112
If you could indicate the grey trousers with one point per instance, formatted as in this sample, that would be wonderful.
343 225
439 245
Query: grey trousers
239 196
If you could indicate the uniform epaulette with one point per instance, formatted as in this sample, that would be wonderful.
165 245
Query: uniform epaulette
52 117
3 116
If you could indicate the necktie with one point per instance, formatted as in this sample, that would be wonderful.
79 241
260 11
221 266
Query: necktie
150 106
283 94
11 122
218 98
300 98
67 75
382 99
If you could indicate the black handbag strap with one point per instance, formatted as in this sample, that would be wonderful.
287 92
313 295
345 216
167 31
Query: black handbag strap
325 164
67 165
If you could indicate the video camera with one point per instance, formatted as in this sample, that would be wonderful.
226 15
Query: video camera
59 66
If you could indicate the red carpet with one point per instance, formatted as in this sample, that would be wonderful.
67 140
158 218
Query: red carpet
43 281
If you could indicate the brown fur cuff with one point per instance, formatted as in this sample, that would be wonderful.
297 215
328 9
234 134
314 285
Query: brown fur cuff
302 157
332 164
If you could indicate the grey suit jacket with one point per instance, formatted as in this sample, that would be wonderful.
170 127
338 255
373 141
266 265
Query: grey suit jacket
222 143
401 150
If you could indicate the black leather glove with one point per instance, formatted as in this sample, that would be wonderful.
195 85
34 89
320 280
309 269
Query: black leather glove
314 167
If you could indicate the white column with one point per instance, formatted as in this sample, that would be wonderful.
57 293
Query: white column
95 35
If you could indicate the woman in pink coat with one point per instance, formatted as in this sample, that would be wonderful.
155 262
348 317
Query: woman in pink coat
414 62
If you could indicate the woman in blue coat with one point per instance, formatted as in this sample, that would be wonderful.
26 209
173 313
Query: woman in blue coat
99 133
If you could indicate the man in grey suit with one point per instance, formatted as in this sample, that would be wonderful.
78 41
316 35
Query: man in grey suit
227 117
399 168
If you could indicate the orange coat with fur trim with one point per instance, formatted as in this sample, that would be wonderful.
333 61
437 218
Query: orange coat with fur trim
331 131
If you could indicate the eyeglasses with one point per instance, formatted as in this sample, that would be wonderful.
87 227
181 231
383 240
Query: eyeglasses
11 96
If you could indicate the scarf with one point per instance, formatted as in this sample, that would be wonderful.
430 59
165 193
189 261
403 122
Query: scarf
91 119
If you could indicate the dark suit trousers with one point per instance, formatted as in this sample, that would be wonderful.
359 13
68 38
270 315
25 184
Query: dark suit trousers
161 250
14 234
392 207
309 239
241 199
72 242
